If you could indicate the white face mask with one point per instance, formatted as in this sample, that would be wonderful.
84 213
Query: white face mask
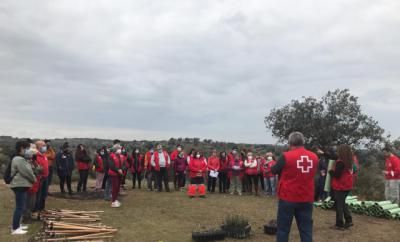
197 156
269 158
179 149
250 157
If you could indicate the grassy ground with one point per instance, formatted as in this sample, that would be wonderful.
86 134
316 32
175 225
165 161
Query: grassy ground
151 216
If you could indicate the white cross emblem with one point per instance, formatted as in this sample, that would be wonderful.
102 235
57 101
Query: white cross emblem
304 164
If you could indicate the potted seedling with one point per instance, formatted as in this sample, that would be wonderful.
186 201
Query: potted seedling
203 234
236 226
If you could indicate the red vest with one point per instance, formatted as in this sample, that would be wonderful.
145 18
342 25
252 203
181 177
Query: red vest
233 172
42 161
392 167
296 182
147 160
268 167
197 166
251 171
117 161
345 181
157 160
174 155
100 166
213 163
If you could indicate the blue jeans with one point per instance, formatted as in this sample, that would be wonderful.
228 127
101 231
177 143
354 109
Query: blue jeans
20 199
303 214
107 190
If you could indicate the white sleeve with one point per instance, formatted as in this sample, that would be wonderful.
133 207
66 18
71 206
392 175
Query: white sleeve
153 163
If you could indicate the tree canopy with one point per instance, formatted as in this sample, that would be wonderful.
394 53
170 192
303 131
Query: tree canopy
335 118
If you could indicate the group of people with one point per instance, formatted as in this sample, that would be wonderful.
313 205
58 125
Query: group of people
30 173
235 172
291 178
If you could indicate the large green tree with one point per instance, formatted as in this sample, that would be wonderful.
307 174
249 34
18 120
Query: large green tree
335 118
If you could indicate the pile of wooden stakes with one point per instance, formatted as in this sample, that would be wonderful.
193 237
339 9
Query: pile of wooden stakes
71 225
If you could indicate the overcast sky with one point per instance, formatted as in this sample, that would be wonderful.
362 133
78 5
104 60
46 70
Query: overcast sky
141 69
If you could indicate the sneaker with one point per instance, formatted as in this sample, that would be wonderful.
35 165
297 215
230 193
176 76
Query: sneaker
115 205
18 231
348 225
23 226
116 201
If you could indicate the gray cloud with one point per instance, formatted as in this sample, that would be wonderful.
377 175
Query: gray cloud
211 69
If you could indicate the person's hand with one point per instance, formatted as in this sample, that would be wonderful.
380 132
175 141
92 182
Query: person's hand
120 172
199 174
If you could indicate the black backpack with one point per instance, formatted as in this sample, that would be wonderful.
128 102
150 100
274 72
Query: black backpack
7 174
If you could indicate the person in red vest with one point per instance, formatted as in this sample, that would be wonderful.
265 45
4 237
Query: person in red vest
43 187
98 165
251 170
296 170
392 175
125 160
136 167
174 156
83 162
223 172
213 169
236 167
198 169
161 162
342 184
149 172
270 178
115 172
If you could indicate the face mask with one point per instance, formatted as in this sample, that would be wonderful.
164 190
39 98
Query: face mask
269 158
118 151
28 153
102 153
197 156
234 152
43 149
250 157
179 149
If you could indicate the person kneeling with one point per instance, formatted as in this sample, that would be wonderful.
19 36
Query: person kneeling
198 169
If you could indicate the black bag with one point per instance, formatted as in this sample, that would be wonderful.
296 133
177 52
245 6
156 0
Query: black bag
7 174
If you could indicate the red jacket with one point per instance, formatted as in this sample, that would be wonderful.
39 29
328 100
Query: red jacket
213 163
224 165
296 182
174 155
116 161
392 166
251 171
99 164
139 163
42 161
197 167
157 160
35 186
236 172
267 169
147 160
345 181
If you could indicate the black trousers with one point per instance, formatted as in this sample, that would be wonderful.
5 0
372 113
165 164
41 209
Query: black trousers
103 186
181 178
252 180
64 179
83 176
261 180
212 181
342 210
137 176
162 176
223 182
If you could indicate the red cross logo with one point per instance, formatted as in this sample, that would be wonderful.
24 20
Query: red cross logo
304 164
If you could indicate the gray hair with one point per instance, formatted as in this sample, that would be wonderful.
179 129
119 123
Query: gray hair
296 139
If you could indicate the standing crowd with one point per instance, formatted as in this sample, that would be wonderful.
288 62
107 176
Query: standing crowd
291 177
